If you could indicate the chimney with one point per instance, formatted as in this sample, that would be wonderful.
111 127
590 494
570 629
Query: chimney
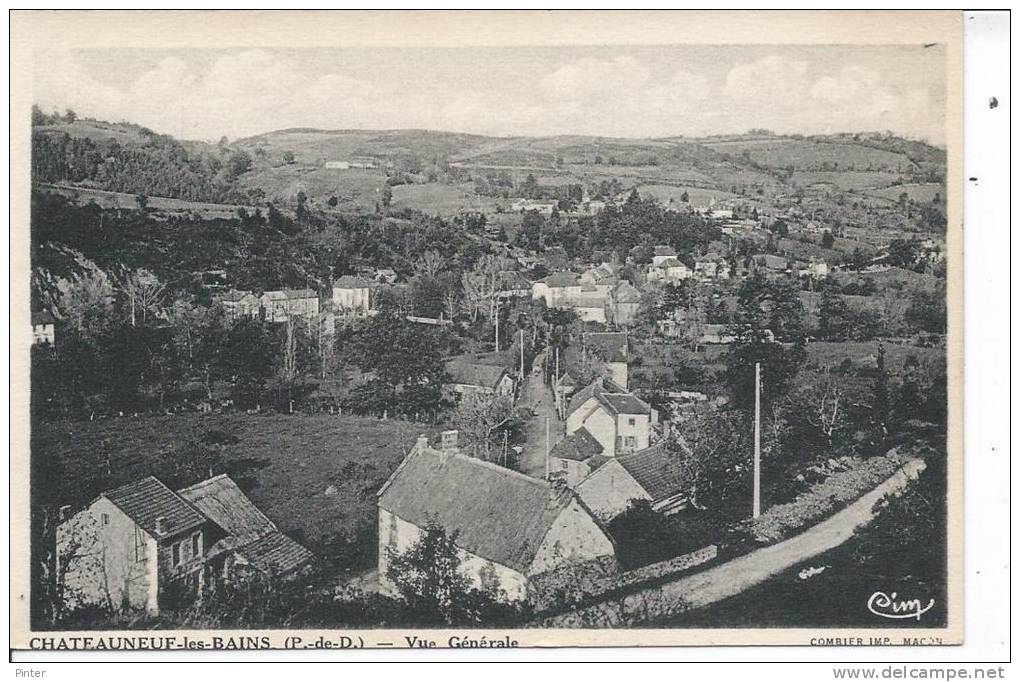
160 525
65 512
421 443
448 441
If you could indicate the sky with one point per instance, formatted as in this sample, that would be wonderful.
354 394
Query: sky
611 91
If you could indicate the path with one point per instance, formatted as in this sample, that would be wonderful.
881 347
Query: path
735 576
538 397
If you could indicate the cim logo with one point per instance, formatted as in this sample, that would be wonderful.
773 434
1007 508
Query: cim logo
890 606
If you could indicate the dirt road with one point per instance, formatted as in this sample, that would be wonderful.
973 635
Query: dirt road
537 396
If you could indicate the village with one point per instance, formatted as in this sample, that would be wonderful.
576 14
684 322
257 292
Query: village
559 392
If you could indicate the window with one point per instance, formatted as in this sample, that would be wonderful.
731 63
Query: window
631 441
175 550
139 545
106 519
564 465
619 442
631 421
196 545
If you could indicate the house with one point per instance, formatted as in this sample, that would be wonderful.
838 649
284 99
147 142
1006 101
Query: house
512 284
721 214
338 165
545 208
768 261
278 306
43 328
625 302
673 270
556 258
590 306
661 254
132 545
820 270
556 287
612 349
706 268
716 334
620 421
239 304
352 295
572 458
470 377
652 474
507 527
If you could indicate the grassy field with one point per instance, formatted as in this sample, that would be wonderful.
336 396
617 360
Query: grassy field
862 354
286 463
811 154
354 188
696 195
923 193
847 180
122 200
442 200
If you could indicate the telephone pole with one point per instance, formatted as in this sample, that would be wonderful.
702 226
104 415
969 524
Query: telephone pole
547 447
522 355
757 439
497 325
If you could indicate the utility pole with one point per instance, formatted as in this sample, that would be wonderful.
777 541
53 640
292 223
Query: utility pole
497 325
757 439
522 355
547 447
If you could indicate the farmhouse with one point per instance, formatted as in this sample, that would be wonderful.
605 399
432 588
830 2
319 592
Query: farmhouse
278 306
625 301
134 543
652 474
662 254
572 458
43 328
239 304
507 526
620 421
352 295
555 288
470 377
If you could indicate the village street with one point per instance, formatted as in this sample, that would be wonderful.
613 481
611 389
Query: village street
539 398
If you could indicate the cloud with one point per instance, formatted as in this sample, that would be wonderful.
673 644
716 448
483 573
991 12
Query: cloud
591 76
768 76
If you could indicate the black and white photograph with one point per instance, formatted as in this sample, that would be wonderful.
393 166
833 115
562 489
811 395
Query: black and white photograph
493 341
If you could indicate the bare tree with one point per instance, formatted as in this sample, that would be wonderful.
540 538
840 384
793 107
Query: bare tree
143 291
481 284
430 264
479 418
289 371
85 301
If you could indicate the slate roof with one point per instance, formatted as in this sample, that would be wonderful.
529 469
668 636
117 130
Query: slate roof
42 318
351 282
653 471
224 503
464 371
578 446
596 387
511 280
275 554
146 500
624 403
560 280
235 296
664 251
496 513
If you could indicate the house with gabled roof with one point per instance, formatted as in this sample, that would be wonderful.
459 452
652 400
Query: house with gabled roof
133 543
620 421
468 376
625 303
555 288
571 459
352 295
613 349
655 474
43 328
661 254
279 305
507 526
239 304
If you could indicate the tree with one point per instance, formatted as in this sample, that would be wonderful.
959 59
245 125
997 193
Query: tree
827 240
387 196
685 197
779 367
143 291
288 156
927 312
430 264
483 423
430 580
70 116
142 201
238 164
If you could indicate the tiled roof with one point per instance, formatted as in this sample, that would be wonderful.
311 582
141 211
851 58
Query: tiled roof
290 294
221 500
655 470
578 446
146 500
559 280
624 403
351 282
596 387
626 292
235 296
664 251
42 318
463 371
496 513
275 554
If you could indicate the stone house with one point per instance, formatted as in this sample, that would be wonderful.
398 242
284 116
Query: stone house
625 302
556 288
574 457
132 545
652 474
239 304
278 306
352 295
44 328
620 421
468 377
661 254
508 526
